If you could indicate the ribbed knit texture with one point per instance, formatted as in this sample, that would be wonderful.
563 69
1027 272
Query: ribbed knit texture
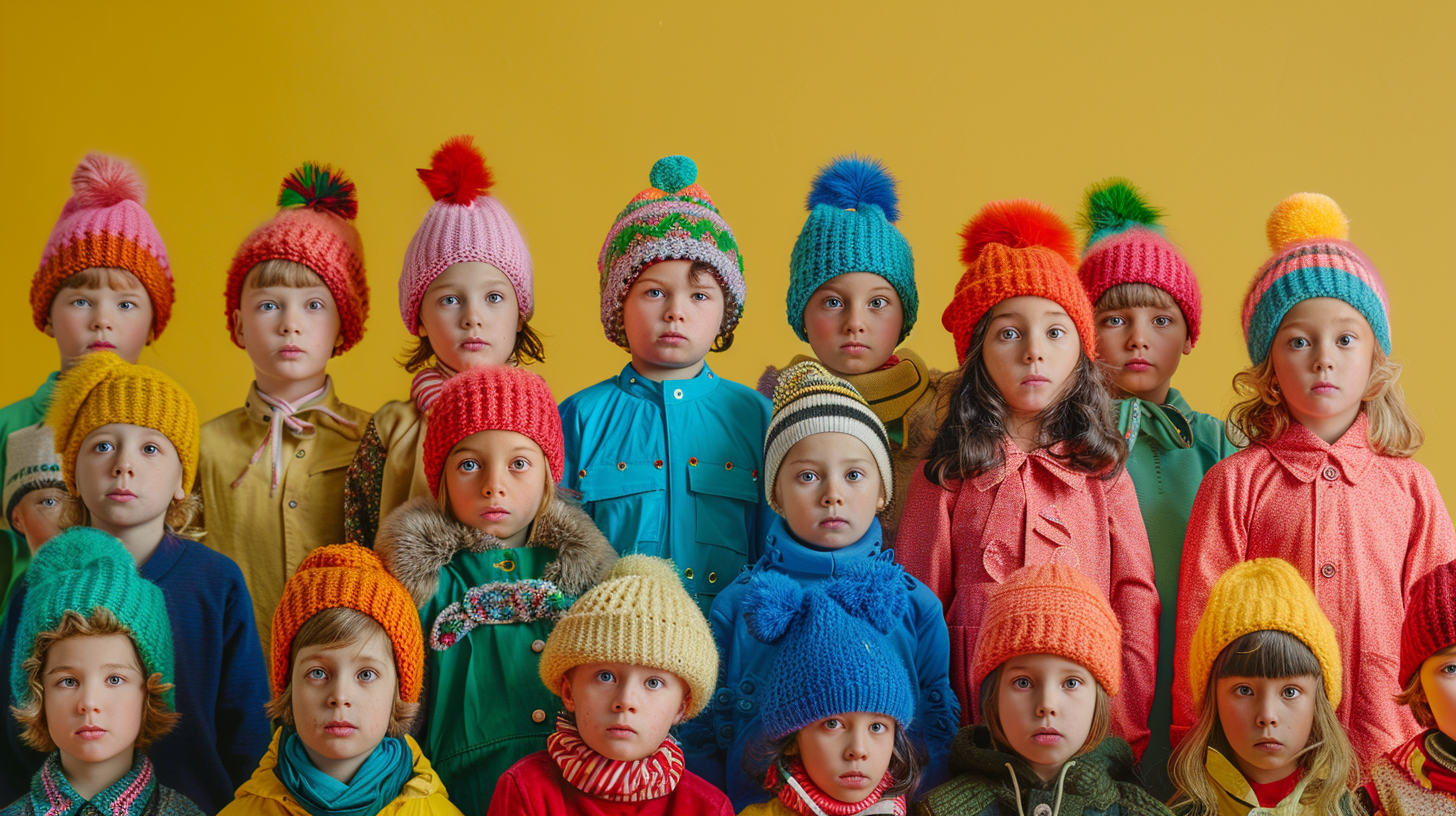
673 219
1054 609
642 616
103 223
103 389
320 234
1430 619
476 230
1012 249
1308 233
492 398
30 464
809 400
82 569
348 576
853 208
1258 595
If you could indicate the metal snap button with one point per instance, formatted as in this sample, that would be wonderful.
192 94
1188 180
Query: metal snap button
292 505
677 393
621 466
657 464
712 577
688 572
727 465
581 474
300 453
693 461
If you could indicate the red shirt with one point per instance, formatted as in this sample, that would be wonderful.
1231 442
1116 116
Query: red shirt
535 786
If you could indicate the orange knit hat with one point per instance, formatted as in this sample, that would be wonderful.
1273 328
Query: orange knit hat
1011 249
347 576
1050 609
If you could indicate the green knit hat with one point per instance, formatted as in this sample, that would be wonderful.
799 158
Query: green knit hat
79 570
851 228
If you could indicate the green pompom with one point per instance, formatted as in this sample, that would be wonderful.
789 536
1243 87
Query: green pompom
673 173
1112 206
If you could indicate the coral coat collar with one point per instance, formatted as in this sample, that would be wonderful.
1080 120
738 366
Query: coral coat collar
1305 455
1014 459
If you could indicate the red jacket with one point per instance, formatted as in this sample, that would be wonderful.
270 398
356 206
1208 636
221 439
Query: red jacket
534 786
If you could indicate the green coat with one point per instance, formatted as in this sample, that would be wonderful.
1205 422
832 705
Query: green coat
484 706
14 553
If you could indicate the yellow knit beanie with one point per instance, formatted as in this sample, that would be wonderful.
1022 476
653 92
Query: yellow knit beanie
104 389
1255 596
641 616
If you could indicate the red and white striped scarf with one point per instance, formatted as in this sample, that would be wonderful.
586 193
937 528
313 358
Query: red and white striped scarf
425 387
613 779
801 795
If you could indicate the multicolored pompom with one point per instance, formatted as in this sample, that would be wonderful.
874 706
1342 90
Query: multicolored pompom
319 187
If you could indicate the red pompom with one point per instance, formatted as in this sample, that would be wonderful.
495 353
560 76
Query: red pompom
457 172
1017 224
105 181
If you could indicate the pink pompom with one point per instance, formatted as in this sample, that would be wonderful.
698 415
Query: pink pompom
105 181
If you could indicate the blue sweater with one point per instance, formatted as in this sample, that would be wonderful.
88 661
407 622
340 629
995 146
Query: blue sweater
728 731
222 683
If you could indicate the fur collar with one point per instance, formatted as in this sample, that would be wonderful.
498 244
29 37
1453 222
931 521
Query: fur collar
418 538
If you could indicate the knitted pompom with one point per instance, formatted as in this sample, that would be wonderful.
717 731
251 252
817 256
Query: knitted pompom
457 172
319 187
774 602
673 173
646 566
105 181
1305 217
74 387
1018 224
1112 206
867 590
849 183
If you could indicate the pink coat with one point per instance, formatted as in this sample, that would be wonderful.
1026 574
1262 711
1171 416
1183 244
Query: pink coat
963 538
1360 527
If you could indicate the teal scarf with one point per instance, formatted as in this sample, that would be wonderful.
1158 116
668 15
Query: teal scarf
377 783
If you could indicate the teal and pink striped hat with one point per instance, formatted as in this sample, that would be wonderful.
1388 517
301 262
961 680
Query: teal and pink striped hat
1313 258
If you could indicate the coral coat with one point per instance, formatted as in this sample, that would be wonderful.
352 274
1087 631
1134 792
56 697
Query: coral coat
1359 526
965 537
534 787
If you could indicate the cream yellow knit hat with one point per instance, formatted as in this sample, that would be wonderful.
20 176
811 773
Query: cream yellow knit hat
641 616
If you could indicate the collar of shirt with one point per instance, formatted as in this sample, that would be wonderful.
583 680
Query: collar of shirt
1305 455
262 413
787 552
1227 776
667 392
1014 459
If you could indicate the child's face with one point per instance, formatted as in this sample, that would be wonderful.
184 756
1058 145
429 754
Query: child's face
671 318
101 319
289 333
342 700
623 711
853 322
95 692
1031 350
1047 704
495 481
1267 722
1142 347
1323 354
830 489
471 315
1438 681
848 754
127 476
37 515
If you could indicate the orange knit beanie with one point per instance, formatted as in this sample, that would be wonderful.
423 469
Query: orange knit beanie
1012 249
347 576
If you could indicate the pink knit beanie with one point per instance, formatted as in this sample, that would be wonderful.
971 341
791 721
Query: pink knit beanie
103 224
465 224
314 227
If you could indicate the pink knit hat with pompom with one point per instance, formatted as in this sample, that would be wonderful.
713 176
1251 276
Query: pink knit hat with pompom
465 224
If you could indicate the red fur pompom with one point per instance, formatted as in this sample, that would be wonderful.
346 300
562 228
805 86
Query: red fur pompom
1017 224
457 172
105 181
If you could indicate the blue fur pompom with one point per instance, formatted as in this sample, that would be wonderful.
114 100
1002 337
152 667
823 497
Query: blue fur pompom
774 602
850 183
871 591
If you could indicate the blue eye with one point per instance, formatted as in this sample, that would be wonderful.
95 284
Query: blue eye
1162 321
316 674
115 680
808 476
494 297
1009 334
877 728
49 502
1072 683
854 475
1056 333
879 303
833 723
104 447
126 305
1346 339
151 449
655 293
1449 668
469 466
520 464
1243 690
1299 342
1022 682
1290 692
67 682
1113 321
833 302
700 297
449 300
81 302
267 306
315 305
368 675
654 683
605 676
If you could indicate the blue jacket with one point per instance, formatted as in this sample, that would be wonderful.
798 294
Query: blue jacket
727 733
672 469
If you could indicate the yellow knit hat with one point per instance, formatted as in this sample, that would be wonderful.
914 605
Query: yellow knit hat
1255 596
641 616
104 389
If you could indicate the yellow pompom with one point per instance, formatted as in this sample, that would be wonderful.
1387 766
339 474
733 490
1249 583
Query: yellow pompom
1304 217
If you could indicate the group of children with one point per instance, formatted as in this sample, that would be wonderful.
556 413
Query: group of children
1038 584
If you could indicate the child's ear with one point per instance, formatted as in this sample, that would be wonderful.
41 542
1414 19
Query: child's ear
880 505
566 701
520 324
1187 345
238 329
50 331
151 337
682 710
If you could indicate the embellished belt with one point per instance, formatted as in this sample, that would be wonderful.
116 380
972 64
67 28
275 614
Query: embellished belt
498 602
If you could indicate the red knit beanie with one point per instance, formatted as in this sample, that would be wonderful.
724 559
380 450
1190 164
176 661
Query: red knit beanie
492 398
1430 619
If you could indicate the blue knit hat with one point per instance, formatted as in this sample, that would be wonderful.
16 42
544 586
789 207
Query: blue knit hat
851 228
79 570
833 655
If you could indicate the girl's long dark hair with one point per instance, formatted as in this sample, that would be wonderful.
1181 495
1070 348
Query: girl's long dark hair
970 438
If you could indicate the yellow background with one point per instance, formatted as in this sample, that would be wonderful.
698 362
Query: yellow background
1217 110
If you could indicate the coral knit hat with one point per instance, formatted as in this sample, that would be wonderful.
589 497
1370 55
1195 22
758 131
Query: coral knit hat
348 576
103 224
1430 619
1012 249
492 398
314 227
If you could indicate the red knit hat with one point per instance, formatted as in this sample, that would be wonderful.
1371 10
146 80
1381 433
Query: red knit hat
1430 619
1011 249
492 398
315 228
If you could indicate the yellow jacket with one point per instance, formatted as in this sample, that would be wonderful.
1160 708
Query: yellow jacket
1237 798
264 795
772 807
388 470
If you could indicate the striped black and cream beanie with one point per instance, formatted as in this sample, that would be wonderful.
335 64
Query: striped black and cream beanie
809 400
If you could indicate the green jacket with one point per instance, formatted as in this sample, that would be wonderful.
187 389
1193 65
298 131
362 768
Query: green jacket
14 554
484 704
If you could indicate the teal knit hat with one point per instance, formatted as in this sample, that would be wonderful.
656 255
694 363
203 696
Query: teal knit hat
851 228
79 570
